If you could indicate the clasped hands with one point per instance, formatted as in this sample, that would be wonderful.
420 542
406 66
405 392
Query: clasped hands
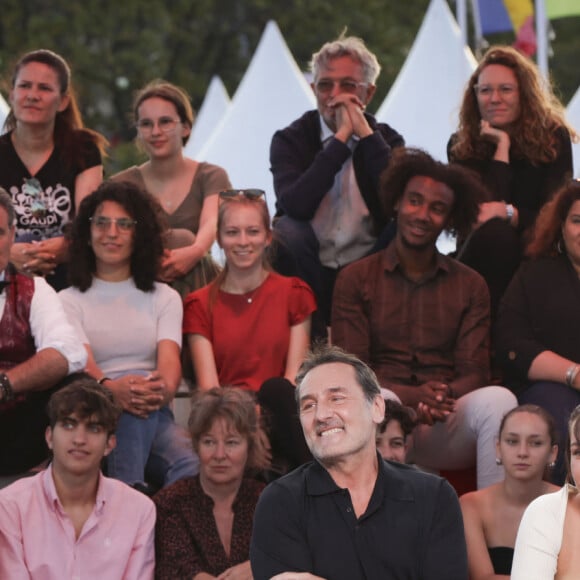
38 258
435 402
140 395
349 117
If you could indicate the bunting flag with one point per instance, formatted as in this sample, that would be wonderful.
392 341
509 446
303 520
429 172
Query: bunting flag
516 15
494 16
562 8
522 17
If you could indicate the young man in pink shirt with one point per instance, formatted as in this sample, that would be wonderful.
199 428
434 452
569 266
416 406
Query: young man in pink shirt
70 521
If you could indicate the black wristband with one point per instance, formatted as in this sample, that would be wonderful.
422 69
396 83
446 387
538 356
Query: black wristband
103 379
6 392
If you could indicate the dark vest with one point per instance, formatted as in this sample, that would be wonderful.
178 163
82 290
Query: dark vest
22 421
16 340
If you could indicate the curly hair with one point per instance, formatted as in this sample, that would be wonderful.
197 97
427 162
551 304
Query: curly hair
541 113
238 409
406 163
547 234
69 131
347 46
171 93
147 235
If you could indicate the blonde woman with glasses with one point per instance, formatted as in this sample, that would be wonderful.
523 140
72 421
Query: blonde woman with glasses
250 328
186 189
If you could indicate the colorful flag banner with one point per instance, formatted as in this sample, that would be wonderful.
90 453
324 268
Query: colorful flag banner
494 16
516 15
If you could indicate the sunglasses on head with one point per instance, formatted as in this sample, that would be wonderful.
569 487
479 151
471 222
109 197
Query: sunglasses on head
252 194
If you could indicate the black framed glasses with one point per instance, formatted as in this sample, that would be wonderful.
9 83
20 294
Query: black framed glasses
103 223
252 194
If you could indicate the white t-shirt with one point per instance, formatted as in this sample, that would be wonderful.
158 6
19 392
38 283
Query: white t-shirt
49 327
122 324
539 537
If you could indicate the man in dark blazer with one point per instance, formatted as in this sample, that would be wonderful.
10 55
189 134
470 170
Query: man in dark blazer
326 167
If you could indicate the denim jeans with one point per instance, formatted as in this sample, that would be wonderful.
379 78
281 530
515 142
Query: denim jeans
468 436
155 449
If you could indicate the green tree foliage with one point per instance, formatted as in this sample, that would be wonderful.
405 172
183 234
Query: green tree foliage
116 47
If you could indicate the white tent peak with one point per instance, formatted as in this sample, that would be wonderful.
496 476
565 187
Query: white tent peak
4 110
423 103
573 115
271 95
213 109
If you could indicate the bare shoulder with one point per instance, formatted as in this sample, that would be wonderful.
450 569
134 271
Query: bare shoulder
476 504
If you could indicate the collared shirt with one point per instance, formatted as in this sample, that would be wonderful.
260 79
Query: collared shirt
342 222
412 528
49 325
412 332
37 538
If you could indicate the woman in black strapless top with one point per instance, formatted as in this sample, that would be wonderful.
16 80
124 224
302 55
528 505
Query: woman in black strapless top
526 448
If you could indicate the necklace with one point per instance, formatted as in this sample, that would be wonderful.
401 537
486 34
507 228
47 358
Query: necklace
249 296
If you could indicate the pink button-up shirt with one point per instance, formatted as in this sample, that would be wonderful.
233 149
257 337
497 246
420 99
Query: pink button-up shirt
37 538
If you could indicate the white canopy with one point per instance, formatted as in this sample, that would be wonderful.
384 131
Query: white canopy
213 109
4 109
271 95
573 115
424 101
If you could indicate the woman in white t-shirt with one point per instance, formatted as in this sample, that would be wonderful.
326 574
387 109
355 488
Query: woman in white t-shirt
131 327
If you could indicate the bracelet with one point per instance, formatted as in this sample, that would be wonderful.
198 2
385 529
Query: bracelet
103 379
6 391
509 212
571 375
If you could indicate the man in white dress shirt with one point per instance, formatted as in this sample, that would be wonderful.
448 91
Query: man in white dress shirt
38 348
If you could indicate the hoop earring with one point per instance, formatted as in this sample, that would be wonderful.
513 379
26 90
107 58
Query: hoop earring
559 247
498 461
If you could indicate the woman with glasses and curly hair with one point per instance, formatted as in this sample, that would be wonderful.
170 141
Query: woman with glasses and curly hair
513 133
538 327
131 327
186 189
250 327
50 162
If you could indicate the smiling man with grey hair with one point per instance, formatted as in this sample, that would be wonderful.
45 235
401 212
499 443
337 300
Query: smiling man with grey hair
326 167
350 515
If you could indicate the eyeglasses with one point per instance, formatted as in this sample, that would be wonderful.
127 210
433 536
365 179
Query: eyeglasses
345 85
252 194
103 223
165 124
488 90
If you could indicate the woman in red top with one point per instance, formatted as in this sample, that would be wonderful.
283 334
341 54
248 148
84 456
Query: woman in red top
250 328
